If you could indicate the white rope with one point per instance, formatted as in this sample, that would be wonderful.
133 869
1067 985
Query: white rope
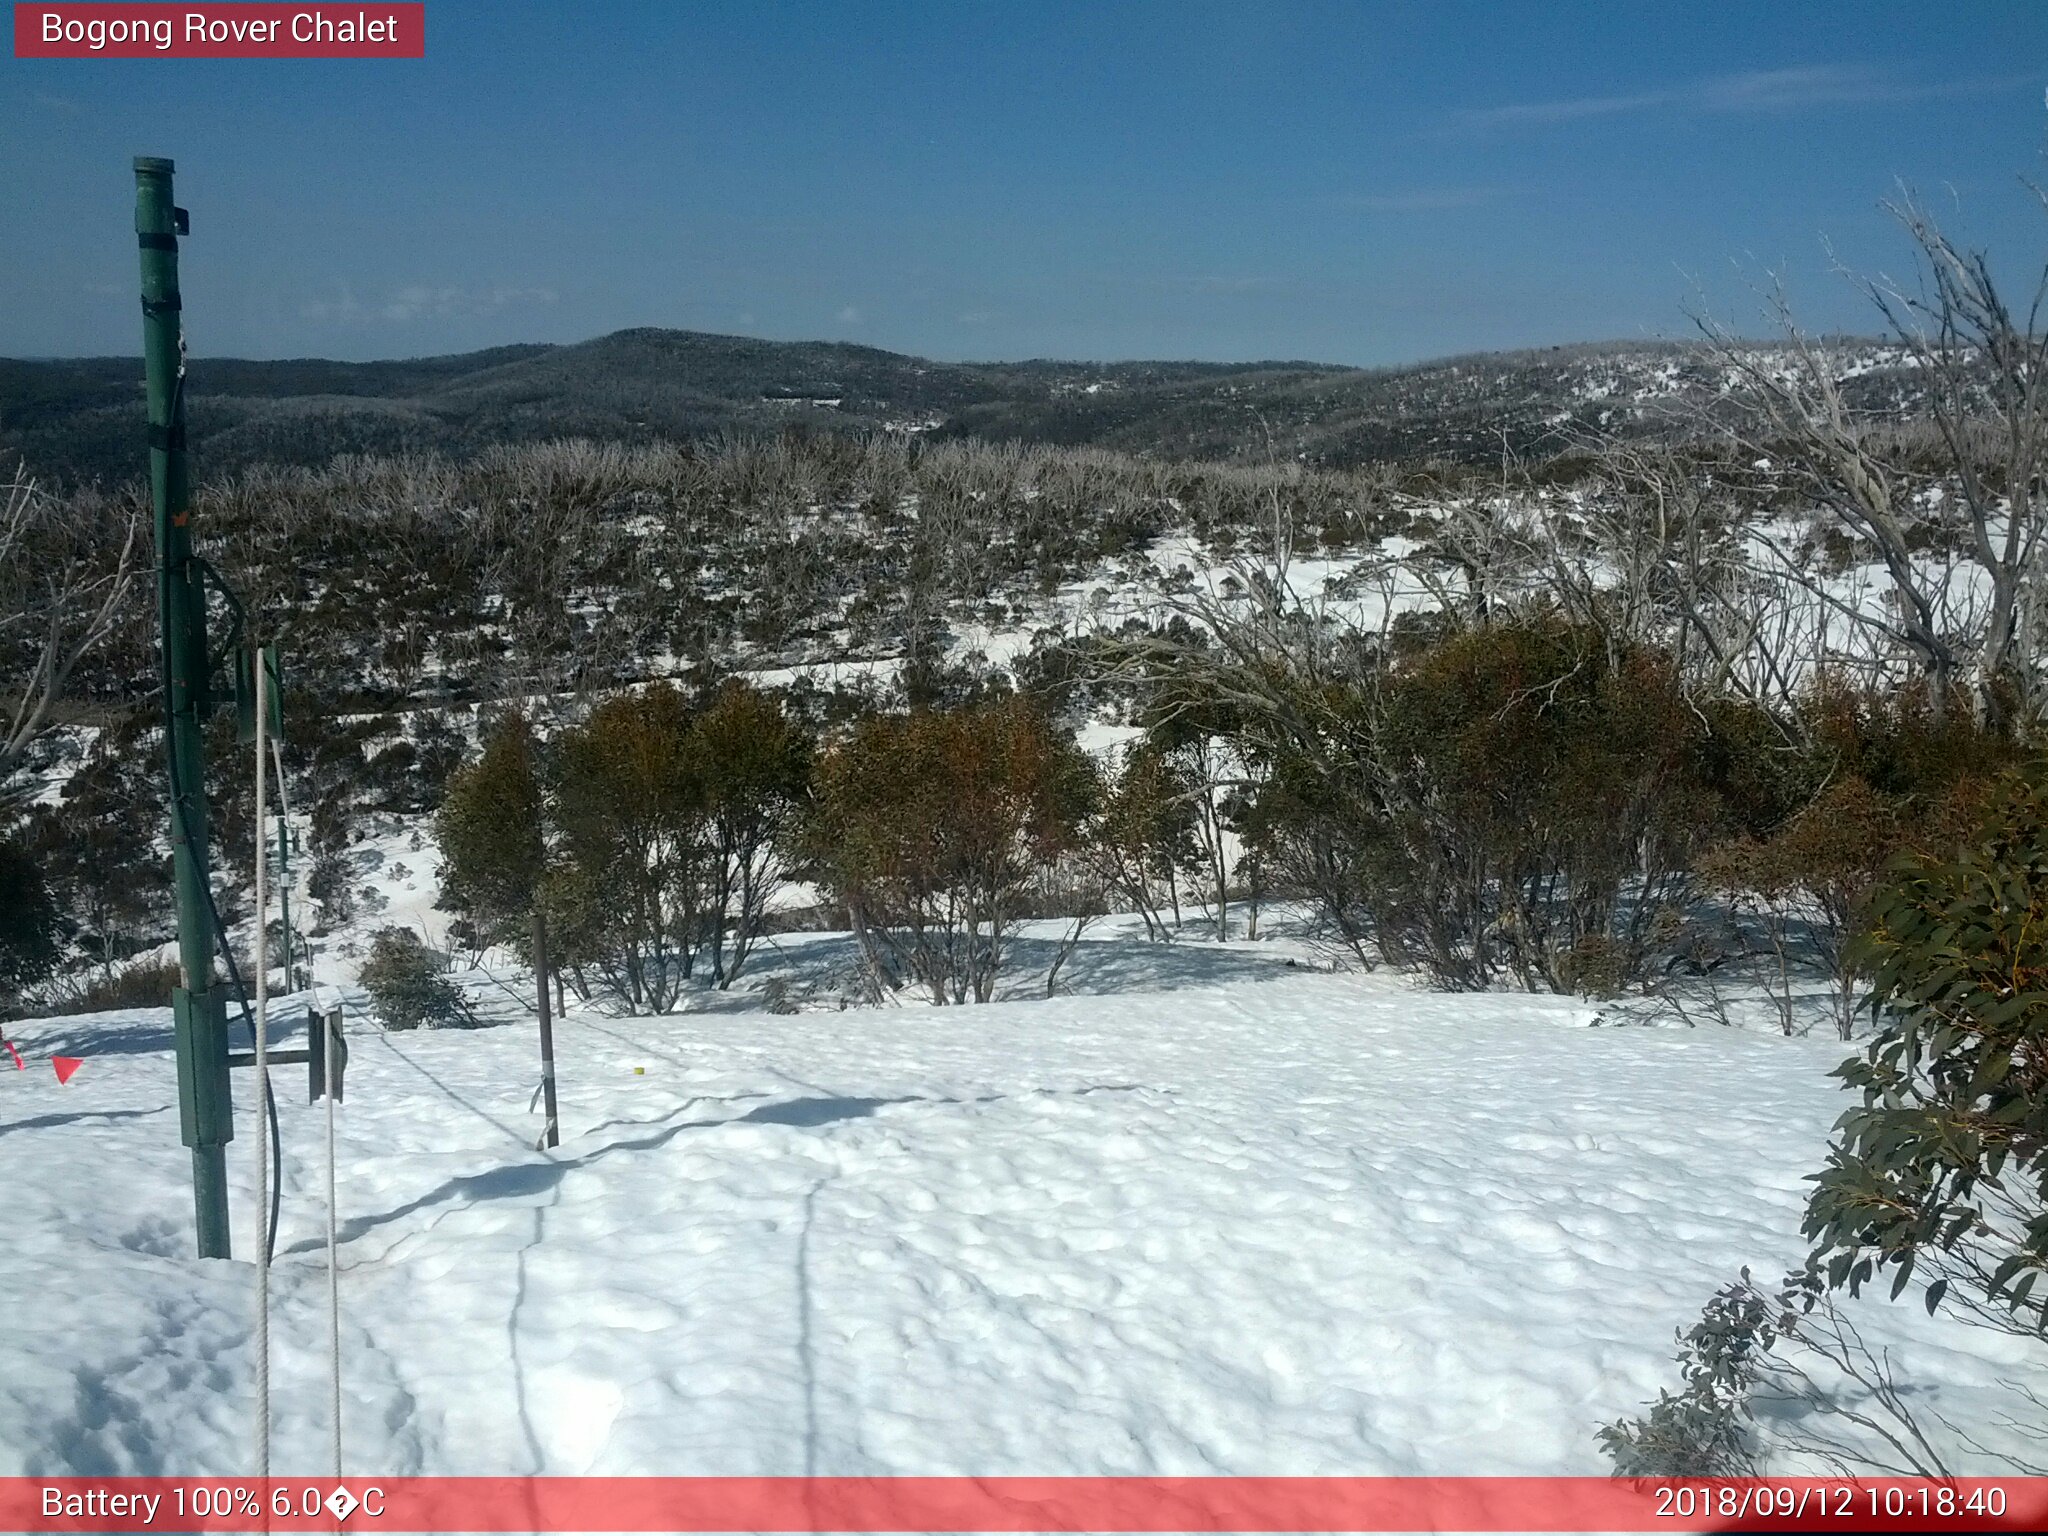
327 1032
262 1083
326 1047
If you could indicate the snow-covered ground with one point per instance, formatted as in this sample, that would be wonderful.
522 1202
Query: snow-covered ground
1202 1213
1271 1222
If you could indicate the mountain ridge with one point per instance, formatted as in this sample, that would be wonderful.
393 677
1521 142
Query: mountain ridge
81 418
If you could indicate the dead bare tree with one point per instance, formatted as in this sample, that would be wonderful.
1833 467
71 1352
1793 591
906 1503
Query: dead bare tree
1982 365
1665 551
67 569
1962 540
553 546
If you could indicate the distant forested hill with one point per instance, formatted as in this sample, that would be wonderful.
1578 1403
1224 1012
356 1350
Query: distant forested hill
81 419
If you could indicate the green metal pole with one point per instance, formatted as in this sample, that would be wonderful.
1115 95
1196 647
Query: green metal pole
205 1112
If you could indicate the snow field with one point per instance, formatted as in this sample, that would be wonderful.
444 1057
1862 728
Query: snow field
1303 1226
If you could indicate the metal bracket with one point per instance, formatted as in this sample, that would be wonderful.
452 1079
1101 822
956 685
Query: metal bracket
317 1053
210 575
205 1107
312 1054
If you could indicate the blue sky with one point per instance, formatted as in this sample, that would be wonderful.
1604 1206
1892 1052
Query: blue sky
1356 183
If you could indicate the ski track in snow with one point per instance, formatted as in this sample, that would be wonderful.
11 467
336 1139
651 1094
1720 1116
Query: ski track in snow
1307 1226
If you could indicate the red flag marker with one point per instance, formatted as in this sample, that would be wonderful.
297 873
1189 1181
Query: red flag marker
19 1064
66 1065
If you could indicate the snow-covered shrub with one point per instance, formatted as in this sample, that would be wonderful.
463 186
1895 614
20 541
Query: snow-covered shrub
407 986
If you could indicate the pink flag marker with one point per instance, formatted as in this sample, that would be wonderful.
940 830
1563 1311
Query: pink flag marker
66 1065
19 1064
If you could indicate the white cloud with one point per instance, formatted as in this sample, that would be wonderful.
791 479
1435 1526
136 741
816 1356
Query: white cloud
342 307
1757 90
1416 199
418 301
850 315
1215 283
411 303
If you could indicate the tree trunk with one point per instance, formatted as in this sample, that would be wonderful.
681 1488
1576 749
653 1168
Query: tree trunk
553 1135
1219 873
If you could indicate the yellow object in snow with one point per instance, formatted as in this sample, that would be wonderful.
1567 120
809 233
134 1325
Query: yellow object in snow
639 1071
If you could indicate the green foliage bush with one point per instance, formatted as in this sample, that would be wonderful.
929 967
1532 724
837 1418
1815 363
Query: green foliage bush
1142 833
139 984
489 830
407 985
627 799
1944 1163
930 827
1940 1169
654 830
757 768
1519 802
1706 1428
29 922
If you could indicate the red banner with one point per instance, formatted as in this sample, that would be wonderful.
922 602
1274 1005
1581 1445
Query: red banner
217 31
1015 1504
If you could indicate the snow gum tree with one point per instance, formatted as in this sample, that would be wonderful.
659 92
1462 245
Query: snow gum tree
630 791
756 766
67 569
1950 505
1141 834
493 833
1519 802
1201 747
930 828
